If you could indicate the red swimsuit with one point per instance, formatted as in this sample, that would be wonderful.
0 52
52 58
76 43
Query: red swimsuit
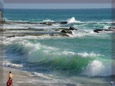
9 83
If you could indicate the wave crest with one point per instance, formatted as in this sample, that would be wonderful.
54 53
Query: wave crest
73 20
97 68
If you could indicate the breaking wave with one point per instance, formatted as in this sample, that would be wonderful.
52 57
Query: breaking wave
53 58
73 20
98 68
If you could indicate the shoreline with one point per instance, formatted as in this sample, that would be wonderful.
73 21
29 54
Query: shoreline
25 78
18 76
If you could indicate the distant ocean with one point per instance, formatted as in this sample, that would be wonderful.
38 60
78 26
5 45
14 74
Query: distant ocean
82 57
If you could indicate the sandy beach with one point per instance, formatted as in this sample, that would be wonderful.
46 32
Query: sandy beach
19 77
24 78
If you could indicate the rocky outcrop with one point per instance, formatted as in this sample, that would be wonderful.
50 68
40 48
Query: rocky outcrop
55 22
98 30
45 23
66 31
72 28
112 28
63 22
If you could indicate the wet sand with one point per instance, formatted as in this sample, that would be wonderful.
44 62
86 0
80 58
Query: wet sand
19 77
24 78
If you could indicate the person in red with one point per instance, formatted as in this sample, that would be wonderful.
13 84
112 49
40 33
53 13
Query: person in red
9 83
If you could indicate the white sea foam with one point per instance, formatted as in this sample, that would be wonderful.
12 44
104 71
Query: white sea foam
92 54
48 20
9 64
81 33
23 31
68 53
99 22
59 52
73 20
41 75
32 26
90 33
98 68
6 19
33 47
14 26
106 27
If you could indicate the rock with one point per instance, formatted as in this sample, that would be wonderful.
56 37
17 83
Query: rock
66 31
111 28
49 24
72 28
97 30
58 29
63 22
43 22
55 22
1 30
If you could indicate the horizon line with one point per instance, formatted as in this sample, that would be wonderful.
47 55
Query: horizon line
52 8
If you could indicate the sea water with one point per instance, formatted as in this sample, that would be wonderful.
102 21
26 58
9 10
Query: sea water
83 57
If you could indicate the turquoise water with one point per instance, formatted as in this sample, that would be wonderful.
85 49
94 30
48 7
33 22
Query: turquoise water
84 53
57 14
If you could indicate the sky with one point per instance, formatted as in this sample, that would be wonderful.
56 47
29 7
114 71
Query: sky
58 1
57 5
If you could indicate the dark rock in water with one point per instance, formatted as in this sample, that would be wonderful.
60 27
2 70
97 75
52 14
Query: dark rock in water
111 28
97 30
58 29
63 22
43 23
1 30
46 23
72 28
66 31
55 22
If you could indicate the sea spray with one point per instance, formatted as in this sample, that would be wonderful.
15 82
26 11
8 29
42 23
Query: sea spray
73 20
98 68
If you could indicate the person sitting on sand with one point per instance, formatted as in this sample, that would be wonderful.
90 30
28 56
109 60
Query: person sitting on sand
10 75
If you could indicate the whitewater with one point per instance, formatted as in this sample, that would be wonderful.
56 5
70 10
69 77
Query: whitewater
82 57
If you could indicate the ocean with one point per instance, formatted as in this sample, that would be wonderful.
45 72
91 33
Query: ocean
83 57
